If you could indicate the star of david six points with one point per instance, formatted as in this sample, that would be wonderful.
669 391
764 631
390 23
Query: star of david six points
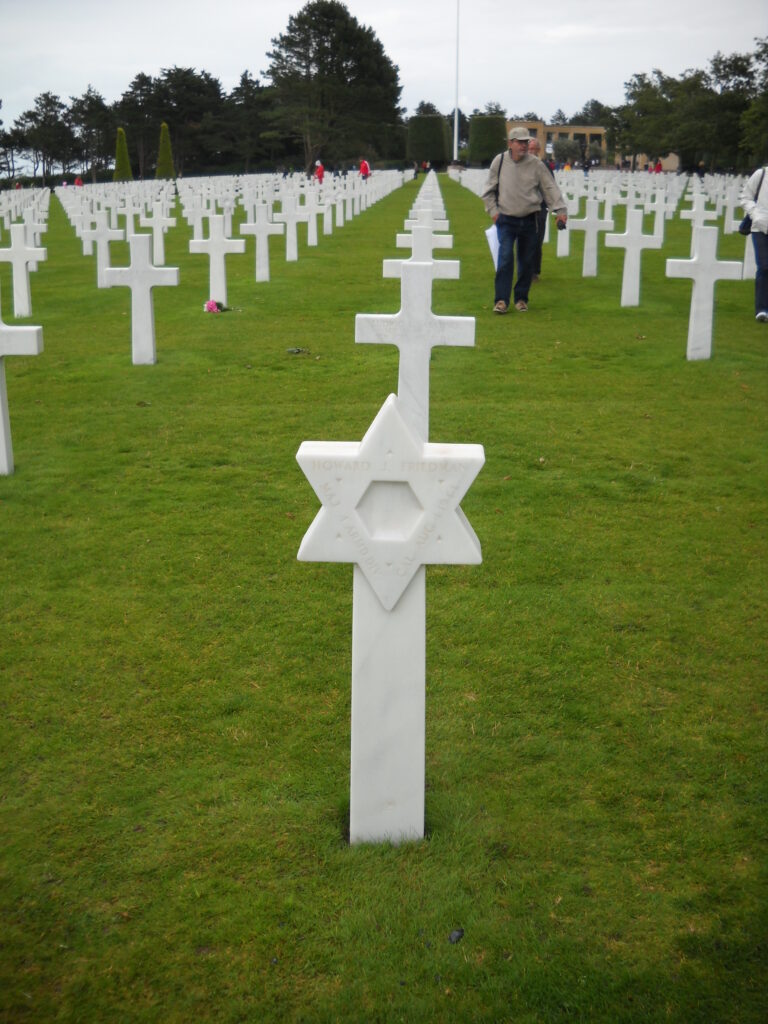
390 503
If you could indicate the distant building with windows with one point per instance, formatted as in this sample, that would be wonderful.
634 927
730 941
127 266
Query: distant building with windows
547 134
586 135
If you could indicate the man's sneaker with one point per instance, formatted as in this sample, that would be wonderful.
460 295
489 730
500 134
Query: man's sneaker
762 316
521 306
500 307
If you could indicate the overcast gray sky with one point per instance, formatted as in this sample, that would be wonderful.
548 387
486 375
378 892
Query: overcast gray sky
534 56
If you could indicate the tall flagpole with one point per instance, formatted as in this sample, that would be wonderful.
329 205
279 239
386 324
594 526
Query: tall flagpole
456 103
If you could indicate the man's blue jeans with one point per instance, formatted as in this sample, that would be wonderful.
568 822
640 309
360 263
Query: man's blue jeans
511 231
760 242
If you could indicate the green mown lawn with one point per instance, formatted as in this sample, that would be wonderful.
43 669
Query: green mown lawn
174 685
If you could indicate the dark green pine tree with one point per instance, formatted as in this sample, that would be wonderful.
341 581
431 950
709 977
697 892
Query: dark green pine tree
122 162
335 88
165 169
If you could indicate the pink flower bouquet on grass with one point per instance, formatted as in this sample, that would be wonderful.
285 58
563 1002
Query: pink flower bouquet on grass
212 306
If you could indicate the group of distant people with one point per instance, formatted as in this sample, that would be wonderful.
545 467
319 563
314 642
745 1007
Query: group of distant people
521 189
319 172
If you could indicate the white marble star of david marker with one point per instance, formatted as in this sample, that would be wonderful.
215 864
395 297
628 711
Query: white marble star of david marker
390 503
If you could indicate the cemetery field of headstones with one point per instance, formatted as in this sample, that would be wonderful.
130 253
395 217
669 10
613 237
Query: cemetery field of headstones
175 684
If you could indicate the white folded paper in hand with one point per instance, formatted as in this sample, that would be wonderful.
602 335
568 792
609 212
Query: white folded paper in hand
493 244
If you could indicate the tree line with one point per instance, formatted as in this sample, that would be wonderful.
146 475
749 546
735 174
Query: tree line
331 92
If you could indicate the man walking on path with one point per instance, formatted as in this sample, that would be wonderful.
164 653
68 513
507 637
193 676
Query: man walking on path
517 184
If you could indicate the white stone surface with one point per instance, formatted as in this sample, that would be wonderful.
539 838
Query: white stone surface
159 222
698 215
217 246
632 241
262 227
141 277
23 257
591 224
390 503
14 341
704 269
102 234
390 506
386 793
415 329
291 214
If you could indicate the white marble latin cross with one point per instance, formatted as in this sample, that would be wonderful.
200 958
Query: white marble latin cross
141 277
216 246
426 217
290 215
591 225
102 234
129 208
704 269
22 257
658 207
159 222
34 230
698 215
415 329
194 214
14 341
262 228
632 241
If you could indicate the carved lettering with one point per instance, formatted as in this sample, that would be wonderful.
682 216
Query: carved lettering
341 465
424 466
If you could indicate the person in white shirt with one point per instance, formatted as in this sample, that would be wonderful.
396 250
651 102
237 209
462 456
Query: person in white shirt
754 203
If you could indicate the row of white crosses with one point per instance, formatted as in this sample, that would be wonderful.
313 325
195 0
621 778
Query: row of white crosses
95 214
658 194
390 505
24 216
301 202
24 253
94 211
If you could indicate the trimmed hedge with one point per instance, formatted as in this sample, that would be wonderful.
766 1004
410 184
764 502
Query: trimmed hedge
428 139
123 170
487 137
165 169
